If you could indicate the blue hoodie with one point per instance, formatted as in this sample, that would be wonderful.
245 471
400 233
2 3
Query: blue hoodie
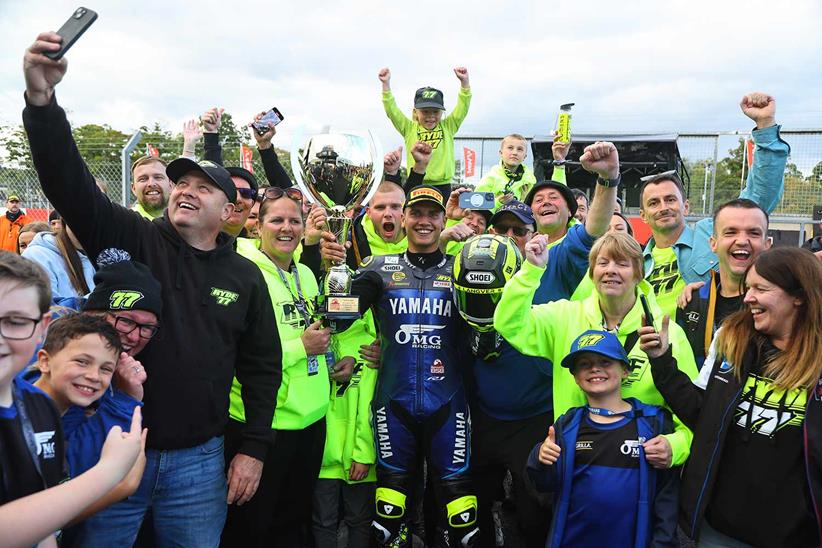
43 250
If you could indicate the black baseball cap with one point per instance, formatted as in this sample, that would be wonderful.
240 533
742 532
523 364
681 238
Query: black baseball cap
429 97
570 199
424 193
216 173
245 175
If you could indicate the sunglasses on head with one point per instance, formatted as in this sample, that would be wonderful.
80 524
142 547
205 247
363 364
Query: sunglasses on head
671 175
275 193
247 193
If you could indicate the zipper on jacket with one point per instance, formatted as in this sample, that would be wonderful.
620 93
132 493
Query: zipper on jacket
710 462
419 397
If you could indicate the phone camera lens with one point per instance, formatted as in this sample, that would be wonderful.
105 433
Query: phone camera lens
79 13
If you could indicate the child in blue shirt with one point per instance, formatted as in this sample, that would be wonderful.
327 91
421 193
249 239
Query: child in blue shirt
593 460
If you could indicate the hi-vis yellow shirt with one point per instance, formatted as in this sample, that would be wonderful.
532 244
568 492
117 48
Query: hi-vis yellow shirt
549 329
441 167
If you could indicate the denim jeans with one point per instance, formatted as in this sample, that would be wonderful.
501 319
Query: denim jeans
186 492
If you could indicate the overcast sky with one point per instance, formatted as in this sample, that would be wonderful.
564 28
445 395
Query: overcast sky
629 65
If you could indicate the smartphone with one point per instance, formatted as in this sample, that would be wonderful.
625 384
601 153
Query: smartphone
77 24
649 318
273 116
477 200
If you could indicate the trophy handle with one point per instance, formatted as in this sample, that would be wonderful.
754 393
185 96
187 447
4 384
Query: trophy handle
377 174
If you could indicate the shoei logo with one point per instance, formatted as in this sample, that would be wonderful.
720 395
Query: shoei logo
124 299
45 444
429 94
589 340
480 277
223 296
420 336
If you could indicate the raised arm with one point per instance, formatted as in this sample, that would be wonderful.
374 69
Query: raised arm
274 170
601 158
766 179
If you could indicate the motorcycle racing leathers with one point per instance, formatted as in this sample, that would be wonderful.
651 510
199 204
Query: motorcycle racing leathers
420 403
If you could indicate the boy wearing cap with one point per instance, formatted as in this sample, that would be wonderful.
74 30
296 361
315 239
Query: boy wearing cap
605 491
10 224
428 125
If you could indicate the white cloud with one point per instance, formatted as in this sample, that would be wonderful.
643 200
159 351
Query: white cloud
641 65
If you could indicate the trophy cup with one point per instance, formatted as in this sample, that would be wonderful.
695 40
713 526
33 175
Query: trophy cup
339 171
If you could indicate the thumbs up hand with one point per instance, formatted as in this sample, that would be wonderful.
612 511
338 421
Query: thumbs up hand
549 450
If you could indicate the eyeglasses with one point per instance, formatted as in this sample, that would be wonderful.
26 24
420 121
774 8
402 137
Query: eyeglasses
17 328
247 193
125 326
671 175
519 231
275 193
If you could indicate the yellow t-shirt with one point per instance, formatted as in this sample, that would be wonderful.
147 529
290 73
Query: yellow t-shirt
665 279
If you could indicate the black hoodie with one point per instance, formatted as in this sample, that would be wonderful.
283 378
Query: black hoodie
217 315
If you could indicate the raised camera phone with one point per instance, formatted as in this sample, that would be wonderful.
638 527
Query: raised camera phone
649 318
273 116
477 200
77 24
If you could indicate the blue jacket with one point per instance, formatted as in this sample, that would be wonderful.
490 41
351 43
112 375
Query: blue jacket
657 507
84 435
567 264
765 184
43 250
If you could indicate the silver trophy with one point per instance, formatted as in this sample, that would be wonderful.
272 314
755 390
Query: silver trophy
339 171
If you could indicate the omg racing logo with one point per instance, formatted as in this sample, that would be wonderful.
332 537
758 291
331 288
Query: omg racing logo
420 335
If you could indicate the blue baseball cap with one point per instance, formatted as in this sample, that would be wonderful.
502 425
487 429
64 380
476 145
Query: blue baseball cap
599 342
520 210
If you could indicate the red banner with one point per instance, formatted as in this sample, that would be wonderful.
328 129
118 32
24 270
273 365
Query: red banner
151 150
470 161
749 147
247 158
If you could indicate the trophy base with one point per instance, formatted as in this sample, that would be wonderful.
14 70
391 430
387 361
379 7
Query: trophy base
340 307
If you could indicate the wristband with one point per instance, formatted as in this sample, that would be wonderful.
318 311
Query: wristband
609 183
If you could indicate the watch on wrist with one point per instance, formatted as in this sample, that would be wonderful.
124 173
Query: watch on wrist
609 183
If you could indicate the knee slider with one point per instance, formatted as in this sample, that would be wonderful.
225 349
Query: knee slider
462 512
390 503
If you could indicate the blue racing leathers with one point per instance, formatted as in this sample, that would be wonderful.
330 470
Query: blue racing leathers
420 403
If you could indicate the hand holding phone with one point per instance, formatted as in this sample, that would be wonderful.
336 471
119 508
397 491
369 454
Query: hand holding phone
477 200
77 24
272 116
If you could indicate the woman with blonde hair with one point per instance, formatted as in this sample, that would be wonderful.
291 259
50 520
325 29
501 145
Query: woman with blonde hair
616 268
755 474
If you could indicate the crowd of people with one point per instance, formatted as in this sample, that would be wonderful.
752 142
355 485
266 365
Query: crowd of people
167 378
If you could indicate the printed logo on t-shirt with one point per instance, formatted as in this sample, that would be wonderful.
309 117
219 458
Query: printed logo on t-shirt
585 445
664 276
768 410
431 137
45 444
631 447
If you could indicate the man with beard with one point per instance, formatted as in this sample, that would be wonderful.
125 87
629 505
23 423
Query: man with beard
11 223
150 186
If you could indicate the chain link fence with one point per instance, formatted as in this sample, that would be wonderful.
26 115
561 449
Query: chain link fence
715 162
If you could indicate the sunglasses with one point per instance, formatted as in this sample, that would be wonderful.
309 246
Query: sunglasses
518 231
247 193
275 193
671 175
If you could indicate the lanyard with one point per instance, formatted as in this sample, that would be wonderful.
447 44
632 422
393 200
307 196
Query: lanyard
608 413
299 301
